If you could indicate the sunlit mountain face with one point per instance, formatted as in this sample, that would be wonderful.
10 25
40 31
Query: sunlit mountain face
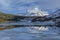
35 12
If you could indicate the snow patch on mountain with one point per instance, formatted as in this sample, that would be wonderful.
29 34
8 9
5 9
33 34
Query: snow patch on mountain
36 12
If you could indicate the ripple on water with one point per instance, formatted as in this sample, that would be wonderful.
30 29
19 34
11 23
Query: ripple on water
30 33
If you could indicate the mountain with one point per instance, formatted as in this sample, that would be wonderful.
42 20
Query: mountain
36 12
56 16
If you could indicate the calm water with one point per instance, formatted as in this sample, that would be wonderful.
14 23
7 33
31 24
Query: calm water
30 33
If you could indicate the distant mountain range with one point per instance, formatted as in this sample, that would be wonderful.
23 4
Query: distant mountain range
32 14
35 12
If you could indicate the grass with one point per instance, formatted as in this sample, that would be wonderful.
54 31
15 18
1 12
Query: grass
4 17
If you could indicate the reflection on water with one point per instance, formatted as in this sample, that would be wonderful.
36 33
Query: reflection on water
30 33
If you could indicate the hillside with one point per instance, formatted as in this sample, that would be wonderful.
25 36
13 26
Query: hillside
4 17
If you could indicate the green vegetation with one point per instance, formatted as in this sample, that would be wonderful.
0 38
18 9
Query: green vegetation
9 27
4 17
9 17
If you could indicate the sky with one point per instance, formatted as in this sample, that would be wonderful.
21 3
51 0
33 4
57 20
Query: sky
20 6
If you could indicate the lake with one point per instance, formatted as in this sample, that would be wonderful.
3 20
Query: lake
31 33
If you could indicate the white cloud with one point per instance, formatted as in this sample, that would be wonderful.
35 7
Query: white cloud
13 5
5 4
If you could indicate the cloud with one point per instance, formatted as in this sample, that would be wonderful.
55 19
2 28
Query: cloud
17 6
4 4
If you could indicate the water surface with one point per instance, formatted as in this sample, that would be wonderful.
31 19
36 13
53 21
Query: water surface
30 33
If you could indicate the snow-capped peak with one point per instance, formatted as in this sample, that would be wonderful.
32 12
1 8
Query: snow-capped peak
37 12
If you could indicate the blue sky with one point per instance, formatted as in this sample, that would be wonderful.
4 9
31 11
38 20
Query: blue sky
20 6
